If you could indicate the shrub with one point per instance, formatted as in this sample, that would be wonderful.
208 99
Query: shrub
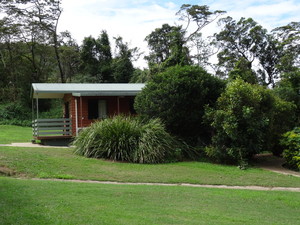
127 139
15 114
245 122
291 153
282 119
178 96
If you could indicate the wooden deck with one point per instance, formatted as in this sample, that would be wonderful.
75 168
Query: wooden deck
47 129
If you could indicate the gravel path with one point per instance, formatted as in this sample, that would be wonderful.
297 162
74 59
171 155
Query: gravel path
256 188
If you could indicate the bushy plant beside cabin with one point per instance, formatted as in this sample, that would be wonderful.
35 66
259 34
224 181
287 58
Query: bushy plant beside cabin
248 119
291 153
178 97
127 139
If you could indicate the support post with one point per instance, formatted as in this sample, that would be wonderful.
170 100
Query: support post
81 116
76 117
32 109
37 115
118 99
37 106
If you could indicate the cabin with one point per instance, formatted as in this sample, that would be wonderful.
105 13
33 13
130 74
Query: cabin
82 105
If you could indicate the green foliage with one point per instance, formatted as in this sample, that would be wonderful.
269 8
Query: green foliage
21 115
245 122
247 40
126 139
282 119
54 109
15 114
178 96
289 36
167 48
291 153
242 69
96 58
289 88
140 76
122 63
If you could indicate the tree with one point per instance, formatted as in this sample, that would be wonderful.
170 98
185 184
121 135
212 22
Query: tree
104 58
199 14
289 39
96 58
38 22
288 88
243 70
140 76
122 63
172 45
195 18
24 58
167 48
247 120
178 97
70 55
249 41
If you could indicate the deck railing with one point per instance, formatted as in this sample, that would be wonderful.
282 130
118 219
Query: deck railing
51 128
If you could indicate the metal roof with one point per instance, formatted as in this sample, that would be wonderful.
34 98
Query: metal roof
55 90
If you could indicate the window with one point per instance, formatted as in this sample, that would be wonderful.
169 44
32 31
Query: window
97 109
102 111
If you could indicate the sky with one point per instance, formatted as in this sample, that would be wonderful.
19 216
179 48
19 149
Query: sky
135 19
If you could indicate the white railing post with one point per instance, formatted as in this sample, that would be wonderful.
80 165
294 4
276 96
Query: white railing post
76 117
52 127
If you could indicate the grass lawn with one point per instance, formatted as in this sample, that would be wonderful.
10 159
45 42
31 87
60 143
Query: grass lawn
55 202
10 134
62 163
49 202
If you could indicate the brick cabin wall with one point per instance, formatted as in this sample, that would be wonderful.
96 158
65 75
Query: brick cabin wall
82 108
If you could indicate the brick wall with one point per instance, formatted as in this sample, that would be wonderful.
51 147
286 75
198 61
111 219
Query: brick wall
115 106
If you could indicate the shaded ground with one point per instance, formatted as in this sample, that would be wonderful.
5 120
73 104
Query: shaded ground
274 164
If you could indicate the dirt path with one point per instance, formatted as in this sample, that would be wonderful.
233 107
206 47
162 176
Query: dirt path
31 145
256 188
274 164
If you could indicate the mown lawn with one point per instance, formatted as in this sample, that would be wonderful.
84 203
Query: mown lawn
10 134
62 163
48 202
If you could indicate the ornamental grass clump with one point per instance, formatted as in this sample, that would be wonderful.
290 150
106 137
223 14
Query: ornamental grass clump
126 139
155 144
113 138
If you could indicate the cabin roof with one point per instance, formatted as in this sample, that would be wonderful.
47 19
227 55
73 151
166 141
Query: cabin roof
58 90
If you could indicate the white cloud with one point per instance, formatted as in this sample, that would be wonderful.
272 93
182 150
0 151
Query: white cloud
269 13
132 22
134 19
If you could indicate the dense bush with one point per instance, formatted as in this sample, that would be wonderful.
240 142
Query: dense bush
245 122
178 96
127 139
15 114
291 153
288 88
281 119
19 114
